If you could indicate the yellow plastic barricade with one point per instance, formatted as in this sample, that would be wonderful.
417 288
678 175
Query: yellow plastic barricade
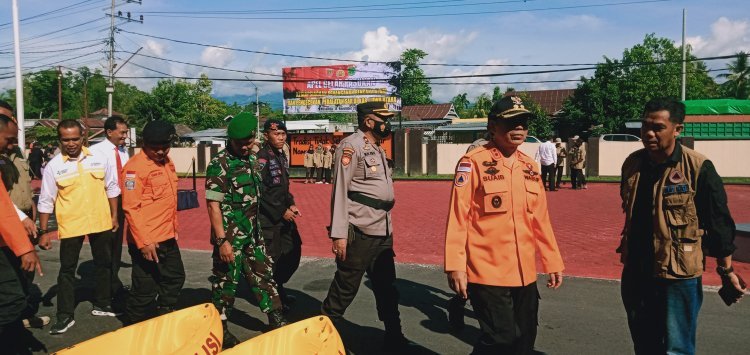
195 330
315 335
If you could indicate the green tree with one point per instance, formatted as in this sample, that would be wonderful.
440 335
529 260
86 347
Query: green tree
496 94
620 87
738 78
482 106
541 126
413 87
461 104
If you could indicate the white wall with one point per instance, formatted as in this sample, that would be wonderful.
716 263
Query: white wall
613 154
731 158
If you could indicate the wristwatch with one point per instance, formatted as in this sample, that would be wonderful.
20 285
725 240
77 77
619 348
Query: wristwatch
724 271
41 231
219 241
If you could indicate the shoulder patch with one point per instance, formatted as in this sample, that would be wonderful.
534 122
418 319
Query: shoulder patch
464 167
461 179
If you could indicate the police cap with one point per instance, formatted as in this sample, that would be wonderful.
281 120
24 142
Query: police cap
509 107
376 108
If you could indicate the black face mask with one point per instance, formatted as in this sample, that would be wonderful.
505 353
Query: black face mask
382 129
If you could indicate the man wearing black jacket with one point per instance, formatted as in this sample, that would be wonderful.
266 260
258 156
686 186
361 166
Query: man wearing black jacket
277 208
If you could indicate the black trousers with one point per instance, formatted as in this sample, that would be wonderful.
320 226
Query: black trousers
70 250
150 279
12 296
117 239
507 318
577 179
374 256
560 172
309 173
284 245
327 174
548 176
319 174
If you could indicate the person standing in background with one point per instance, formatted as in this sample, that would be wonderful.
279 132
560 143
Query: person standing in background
327 162
113 149
547 157
318 163
309 164
577 164
36 157
562 154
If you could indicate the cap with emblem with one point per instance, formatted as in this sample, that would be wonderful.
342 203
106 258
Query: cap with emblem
509 107
158 132
242 126
273 124
379 109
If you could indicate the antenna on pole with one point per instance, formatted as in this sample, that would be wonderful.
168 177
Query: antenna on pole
111 87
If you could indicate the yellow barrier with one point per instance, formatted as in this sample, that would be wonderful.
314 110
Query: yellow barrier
195 330
315 335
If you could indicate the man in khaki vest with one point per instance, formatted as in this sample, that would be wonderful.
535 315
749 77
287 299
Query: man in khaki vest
675 208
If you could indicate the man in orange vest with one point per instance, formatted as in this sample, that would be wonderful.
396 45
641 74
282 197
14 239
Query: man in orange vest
497 222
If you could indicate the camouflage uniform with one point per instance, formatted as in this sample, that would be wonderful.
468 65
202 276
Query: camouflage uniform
235 183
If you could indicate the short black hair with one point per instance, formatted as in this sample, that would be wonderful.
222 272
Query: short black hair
112 121
68 124
6 105
675 108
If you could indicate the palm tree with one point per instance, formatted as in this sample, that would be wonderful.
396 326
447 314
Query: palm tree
738 78
460 103
482 105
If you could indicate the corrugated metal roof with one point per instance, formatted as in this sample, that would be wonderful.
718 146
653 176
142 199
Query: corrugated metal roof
428 112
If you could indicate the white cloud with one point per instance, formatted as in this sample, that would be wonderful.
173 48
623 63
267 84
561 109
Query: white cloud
727 37
217 57
156 48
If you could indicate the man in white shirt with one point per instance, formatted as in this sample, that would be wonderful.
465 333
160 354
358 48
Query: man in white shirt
547 157
113 149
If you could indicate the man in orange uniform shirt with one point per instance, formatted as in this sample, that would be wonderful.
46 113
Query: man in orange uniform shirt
498 220
149 199
16 253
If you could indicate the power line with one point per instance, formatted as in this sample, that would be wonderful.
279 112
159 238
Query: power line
51 12
415 15
201 65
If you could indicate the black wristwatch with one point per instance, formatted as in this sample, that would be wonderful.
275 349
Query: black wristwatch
724 271
219 241
41 231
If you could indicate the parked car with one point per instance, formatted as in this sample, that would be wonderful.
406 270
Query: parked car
619 138
532 139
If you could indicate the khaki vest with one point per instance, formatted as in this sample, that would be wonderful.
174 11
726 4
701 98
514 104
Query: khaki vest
678 251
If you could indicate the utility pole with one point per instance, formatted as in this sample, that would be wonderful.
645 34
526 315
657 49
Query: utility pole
112 65
684 54
111 87
257 109
19 78
59 93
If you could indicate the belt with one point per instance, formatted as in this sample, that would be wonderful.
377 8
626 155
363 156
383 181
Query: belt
370 202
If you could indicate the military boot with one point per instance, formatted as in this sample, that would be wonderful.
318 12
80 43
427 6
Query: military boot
276 319
229 339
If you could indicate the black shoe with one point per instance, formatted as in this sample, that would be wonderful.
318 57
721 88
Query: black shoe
229 340
106 311
35 322
276 319
62 325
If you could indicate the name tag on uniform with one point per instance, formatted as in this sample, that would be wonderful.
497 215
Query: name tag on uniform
675 189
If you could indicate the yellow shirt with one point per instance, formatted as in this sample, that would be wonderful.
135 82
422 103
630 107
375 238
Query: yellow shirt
77 190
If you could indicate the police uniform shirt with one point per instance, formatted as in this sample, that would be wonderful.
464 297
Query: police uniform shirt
360 166
275 198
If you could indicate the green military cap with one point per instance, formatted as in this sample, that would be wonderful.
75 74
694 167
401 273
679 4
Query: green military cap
510 106
242 126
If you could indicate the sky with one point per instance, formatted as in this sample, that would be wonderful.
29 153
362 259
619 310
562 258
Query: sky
496 34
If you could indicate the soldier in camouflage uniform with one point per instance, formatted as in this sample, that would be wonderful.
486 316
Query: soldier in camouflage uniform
232 192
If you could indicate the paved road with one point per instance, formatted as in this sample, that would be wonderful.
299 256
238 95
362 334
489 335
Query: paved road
587 224
585 316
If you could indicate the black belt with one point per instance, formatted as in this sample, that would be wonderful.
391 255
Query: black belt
371 202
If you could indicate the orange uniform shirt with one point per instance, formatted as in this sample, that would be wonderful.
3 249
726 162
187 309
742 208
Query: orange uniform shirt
498 221
12 233
149 199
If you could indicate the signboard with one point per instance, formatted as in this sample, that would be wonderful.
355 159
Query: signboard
299 143
338 88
